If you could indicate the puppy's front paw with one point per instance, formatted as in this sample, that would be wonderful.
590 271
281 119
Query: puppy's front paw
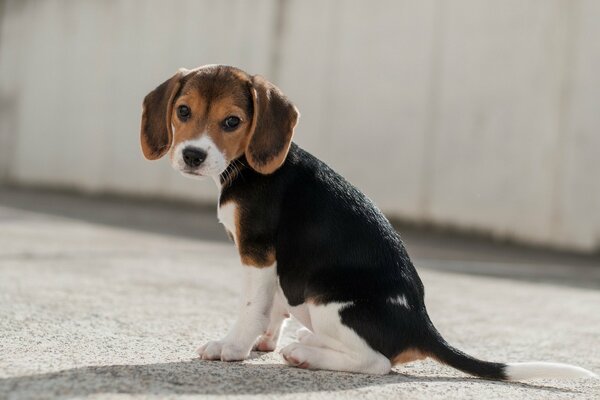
266 343
233 352
221 350
211 350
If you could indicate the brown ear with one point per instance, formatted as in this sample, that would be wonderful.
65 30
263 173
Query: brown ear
272 127
156 133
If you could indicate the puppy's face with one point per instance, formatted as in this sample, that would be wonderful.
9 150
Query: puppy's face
208 117
211 121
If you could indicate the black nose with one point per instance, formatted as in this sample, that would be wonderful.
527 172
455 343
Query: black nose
193 156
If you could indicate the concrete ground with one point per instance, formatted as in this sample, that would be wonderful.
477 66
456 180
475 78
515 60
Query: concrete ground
108 298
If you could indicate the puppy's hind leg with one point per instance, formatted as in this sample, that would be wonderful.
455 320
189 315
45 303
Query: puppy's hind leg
334 346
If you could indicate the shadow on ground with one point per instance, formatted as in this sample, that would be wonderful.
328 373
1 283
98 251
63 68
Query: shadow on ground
449 252
182 219
211 378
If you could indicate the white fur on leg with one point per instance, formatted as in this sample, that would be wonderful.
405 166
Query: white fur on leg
257 299
334 346
302 333
268 340
540 370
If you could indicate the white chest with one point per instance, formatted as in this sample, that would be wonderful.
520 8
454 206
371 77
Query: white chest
227 214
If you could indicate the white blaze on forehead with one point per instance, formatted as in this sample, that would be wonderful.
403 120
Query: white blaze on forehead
204 142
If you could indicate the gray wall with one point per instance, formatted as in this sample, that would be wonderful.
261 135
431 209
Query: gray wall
476 114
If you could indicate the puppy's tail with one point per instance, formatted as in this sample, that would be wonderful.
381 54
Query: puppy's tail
438 349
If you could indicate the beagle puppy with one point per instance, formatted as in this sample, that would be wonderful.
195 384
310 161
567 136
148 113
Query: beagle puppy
311 244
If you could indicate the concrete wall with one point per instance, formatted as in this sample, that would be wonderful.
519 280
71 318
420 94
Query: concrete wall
475 114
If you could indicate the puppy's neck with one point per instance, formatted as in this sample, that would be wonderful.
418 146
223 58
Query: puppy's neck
233 170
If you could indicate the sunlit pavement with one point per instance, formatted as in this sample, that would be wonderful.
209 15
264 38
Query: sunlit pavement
107 298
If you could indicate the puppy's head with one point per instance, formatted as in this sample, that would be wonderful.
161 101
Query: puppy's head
207 117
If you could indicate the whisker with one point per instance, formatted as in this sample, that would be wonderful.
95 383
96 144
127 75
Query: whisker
237 168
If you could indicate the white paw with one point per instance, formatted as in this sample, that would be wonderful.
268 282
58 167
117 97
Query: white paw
296 355
265 343
233 352
211 350
221 350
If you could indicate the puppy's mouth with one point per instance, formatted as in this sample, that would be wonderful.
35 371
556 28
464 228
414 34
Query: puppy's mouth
192 173
198 173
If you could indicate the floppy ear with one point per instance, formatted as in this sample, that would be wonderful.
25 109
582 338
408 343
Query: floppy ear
156 133
272 127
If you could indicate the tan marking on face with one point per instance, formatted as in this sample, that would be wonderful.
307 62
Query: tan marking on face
233 143
194 126
211 101
407 356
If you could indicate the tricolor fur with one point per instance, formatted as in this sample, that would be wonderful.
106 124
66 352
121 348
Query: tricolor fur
311 244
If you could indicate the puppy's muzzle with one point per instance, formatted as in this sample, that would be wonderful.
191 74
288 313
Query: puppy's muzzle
193 156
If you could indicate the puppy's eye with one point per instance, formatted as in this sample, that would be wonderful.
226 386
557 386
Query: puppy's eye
230 123
183 112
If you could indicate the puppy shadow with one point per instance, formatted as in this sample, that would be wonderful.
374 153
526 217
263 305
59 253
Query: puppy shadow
197 377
